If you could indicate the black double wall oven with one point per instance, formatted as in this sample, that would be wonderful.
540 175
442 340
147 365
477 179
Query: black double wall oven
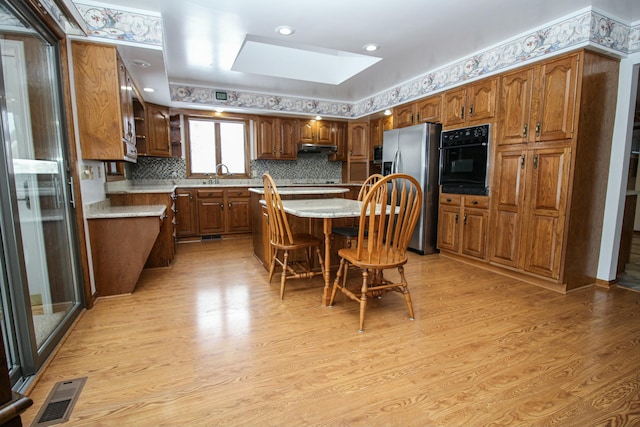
464 159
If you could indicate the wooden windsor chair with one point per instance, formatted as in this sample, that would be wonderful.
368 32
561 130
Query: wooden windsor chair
283 240
350 232
388 217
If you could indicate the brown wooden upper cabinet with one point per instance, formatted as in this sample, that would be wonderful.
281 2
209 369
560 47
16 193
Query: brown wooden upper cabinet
424 110
315 132
339 130
376 132
276 138
157 123
358 141
471 103
103 90
538 103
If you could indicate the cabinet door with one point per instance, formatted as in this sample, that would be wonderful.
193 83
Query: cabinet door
481 100
339 130
403 115
548 182
210 216
287 139
186 220
157 122
515 102
307 132
375 134
265 138
357 171
98 80
323 132
453 107
359 141
556 89
474 232
428 110
507 207
126 102
448 226
238 215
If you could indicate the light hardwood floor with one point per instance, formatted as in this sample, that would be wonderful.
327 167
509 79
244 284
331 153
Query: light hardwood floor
208 342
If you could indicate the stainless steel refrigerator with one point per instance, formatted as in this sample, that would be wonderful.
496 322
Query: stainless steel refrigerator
414 151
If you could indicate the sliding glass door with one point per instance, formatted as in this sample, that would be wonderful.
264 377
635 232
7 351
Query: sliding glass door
41 293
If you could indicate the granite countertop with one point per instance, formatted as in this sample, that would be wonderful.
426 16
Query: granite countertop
303 190
104 209
159 186
323 208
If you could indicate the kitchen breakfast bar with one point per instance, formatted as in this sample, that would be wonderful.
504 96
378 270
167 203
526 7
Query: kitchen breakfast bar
305 205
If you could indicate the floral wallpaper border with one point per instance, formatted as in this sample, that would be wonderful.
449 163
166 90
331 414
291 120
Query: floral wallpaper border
583 28
139 27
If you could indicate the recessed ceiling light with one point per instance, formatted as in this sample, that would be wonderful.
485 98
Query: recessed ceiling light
371 47
148 89
285 30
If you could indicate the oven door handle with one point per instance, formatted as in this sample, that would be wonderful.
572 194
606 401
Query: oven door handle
475 144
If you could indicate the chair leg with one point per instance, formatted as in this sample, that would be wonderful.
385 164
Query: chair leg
363 298
272 267
283 278
320 259
405 291
336 282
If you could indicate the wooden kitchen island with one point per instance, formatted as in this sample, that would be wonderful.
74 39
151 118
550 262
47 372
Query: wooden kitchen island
261 246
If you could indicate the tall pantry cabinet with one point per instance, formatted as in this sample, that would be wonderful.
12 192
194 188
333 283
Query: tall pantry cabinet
551 167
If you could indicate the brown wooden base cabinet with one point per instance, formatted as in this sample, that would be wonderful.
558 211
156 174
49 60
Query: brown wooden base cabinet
119 257
163 249
212 211
462 224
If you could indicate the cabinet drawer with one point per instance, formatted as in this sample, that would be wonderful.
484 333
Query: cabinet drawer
476 202
450 199
209 194
238 193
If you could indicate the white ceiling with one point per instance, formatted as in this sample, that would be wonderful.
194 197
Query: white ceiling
203 37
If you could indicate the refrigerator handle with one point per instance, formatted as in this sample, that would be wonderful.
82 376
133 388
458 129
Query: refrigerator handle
396 159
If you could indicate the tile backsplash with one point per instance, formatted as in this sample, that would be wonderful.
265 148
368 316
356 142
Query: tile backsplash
307 166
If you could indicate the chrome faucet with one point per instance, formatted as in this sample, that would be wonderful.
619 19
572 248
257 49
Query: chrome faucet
218 166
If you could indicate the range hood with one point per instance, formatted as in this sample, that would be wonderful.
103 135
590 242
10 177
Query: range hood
317 148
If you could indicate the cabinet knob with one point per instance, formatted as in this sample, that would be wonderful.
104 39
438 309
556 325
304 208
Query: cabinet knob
462 113
538 129
525 130
475 202
464 221
448 200
471 110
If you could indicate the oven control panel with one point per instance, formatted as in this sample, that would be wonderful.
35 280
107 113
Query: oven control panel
475 135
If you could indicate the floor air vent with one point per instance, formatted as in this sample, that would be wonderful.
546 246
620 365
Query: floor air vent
57 408
211 237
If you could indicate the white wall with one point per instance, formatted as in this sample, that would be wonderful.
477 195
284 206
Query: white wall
618 168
